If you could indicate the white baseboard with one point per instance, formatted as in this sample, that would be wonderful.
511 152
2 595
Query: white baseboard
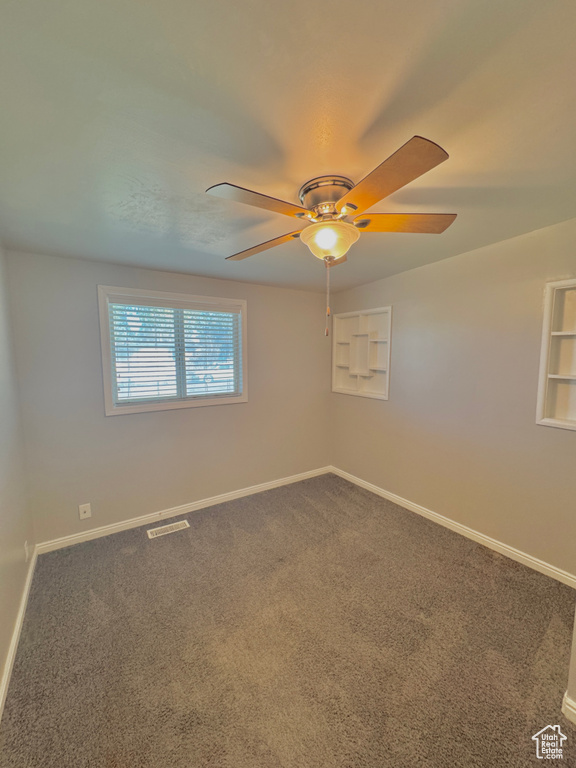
183 509
11 656
470 533
464 530
569 708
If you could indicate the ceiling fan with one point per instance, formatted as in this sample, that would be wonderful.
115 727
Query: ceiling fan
329 204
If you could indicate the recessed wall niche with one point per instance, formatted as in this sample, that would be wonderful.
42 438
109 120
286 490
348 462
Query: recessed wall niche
557 385
361 353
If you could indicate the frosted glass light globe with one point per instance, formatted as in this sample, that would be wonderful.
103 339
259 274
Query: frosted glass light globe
329 238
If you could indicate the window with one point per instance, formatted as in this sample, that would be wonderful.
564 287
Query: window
170 350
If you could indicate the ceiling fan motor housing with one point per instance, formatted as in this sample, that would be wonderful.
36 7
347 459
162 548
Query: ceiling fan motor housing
322 193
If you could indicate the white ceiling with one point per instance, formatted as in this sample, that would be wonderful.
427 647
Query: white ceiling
116 115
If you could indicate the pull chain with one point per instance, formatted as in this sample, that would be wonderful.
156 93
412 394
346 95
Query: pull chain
327 261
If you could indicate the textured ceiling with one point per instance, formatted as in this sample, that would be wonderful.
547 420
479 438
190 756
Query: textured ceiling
116 115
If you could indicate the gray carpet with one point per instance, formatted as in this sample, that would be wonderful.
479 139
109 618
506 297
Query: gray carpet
311 626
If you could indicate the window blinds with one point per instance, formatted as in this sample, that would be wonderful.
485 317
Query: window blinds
163 353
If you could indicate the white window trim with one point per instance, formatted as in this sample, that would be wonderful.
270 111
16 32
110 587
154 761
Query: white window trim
108 293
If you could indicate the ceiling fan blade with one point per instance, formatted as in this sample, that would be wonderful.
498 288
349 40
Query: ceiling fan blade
264 246
420 223
406 164
248 197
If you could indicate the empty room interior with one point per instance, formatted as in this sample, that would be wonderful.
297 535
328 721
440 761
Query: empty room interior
287 384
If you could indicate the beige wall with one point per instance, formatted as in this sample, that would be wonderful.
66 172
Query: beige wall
15 527
458 434
130 465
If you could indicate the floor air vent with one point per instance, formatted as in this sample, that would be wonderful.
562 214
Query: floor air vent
153 533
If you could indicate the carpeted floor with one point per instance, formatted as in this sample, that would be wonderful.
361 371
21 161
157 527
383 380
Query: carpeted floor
311 626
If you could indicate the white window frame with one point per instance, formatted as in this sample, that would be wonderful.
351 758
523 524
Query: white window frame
110 294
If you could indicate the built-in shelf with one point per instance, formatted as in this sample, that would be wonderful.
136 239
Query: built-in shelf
557 385
361 353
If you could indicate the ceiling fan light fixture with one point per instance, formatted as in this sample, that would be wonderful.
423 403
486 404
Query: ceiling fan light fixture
327 201
329 238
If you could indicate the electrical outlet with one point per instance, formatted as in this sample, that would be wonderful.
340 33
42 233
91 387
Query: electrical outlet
26 551
84 511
